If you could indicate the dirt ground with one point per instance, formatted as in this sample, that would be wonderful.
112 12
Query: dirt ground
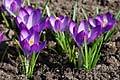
52 66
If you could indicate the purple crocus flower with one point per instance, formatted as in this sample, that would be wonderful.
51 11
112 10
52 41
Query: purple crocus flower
106 21
1 36
30 18
29 42
11 5
58 23
83 31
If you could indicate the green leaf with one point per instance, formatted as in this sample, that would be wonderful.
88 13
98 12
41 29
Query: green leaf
97 10
97 55
48 11
6 22
75 11
93 56
117 15
31 65
44 9
109 34
85 14
28 1
92 52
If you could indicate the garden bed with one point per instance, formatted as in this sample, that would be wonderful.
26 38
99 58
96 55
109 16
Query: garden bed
56 66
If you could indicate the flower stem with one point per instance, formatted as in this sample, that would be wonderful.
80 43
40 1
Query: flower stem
86 53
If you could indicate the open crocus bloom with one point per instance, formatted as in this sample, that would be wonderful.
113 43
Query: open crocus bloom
106 21
1 36
58 23
29 42
83 31
11 5
30 18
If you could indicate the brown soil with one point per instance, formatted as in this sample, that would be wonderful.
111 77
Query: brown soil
55 66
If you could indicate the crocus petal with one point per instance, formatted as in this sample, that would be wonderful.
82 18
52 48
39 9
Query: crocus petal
71 26
83 26
34 36
36 28
11 6
29 9
42 45
75 30
7 3
93 34
26 47
107 28
80 38
33 19
57 26
61 17
65 22
99 18
43 24
108 16
112 21
23 34
19 2
22 26
51 22
35 48
1 36
14 7
22 16
92 22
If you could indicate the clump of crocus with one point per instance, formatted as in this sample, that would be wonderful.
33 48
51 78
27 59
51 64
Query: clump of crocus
89 37
30 18
1 36
83 31
31 24
11 6
31 46
60 26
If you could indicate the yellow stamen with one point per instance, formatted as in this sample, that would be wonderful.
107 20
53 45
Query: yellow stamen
31 42
57 18
105 21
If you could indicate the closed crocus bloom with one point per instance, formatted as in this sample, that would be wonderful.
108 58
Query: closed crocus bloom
58 23
31 19
106 21
11 5
78 33
1 36
83 31
29 42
